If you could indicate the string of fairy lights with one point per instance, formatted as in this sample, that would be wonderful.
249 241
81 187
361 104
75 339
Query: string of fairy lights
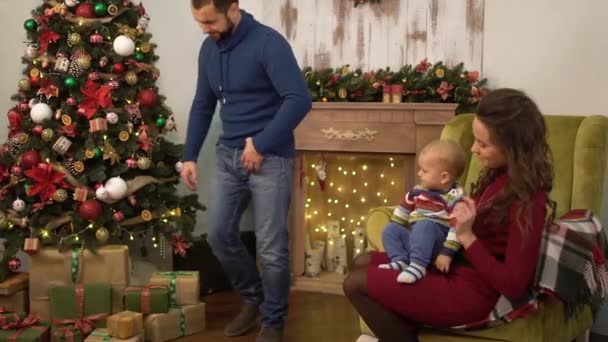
351 189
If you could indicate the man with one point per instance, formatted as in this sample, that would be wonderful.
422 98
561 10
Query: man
252 71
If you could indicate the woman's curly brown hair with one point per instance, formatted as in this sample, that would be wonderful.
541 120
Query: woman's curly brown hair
518 128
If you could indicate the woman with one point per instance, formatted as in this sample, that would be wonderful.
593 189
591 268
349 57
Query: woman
499 226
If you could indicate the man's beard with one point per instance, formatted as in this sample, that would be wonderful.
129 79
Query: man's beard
230 27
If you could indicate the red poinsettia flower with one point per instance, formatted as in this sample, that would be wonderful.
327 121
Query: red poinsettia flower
68 130
96 97
46 180
180 245
477 94
423 66
444 90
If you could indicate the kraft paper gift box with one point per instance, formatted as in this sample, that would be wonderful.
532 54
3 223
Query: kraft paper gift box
17 302
147 299
14 284
181 321
50 267
184 286
101 335
126 324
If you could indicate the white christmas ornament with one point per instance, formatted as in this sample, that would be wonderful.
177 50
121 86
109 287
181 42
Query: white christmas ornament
124 45
31 51
18 205
41 112
102 194
112 118
71 3
116 188
179 166
32 102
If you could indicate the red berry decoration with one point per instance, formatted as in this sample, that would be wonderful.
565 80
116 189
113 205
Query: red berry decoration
14 264
85 10
118 68
29 159
37 129
147 98
90 210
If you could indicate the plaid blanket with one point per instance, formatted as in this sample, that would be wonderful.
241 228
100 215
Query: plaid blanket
571 267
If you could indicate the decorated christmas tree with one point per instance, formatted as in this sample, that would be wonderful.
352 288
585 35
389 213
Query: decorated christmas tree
86 161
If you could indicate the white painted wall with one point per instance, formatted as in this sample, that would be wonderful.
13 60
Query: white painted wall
556 50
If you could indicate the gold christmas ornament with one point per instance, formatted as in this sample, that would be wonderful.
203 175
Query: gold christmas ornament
131 78
145 47
66 119
47 134
34 72
144 163
24 84
146 215
23 138
78 166
57 8
112 10
83 61
60 195
74 38
109 152
345 70
102 234
342 93
89 153
439 73
123 136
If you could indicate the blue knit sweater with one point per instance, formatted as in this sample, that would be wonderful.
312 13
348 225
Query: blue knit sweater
255 76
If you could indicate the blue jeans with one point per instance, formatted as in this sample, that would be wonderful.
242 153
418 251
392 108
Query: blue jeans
269 190
420 244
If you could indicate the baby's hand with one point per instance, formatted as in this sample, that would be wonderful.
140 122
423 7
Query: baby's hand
443 263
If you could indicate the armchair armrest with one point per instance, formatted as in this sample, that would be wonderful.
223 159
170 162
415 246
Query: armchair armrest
376 220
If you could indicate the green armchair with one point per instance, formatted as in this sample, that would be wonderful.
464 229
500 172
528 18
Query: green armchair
580 149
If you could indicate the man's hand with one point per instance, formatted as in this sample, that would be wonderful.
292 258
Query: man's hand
251 159
189 175
443 263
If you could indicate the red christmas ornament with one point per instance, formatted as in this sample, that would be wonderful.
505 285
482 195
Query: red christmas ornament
14 264
23 106
16 170
147 98
90 210
29 159
118 68
94 76
132 163
71 101
118 216
85 10
37 129
35 81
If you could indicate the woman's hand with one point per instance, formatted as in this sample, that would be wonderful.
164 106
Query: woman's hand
462 219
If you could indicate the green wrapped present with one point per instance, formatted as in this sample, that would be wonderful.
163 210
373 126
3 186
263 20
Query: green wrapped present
147 299
28 329
82 306
7 316
66 334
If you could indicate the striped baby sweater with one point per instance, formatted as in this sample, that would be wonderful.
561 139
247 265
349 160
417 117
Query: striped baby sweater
424 204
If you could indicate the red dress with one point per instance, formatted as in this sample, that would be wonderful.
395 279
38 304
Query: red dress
500 261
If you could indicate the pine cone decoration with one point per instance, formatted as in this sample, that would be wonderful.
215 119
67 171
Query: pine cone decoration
75 70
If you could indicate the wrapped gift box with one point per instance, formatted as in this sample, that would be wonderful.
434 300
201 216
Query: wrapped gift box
14 284
184 287
181 321
101 335
147 299
73 302
126 324
17 302
29 329
50 267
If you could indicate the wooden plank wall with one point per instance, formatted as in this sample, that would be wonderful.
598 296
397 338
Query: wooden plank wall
395 32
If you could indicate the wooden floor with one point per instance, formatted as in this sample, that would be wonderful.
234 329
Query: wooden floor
312 317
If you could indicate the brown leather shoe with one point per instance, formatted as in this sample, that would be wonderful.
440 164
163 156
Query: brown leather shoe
243 322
